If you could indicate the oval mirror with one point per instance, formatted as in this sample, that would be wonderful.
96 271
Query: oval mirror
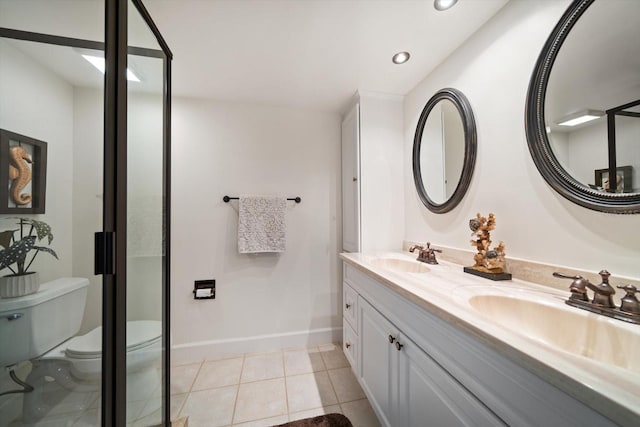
444 150
583 106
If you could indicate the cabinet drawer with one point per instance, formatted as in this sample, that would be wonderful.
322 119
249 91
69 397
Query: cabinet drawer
350 306
350 346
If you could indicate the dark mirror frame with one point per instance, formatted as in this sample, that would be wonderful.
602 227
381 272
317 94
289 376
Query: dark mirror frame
470 148
538 142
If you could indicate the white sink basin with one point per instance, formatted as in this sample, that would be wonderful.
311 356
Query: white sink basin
400 265
569 329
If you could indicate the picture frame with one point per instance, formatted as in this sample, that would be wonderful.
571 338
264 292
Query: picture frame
624 180
17 196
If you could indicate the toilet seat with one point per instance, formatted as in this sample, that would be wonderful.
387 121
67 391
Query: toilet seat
140 334
83 353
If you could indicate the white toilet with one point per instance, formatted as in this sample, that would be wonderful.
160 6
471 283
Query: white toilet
67 369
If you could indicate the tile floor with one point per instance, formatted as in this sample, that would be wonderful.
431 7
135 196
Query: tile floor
266 389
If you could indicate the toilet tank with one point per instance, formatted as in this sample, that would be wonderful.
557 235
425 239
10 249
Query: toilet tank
42 320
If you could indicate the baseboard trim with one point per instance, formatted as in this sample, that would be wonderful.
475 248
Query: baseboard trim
182 354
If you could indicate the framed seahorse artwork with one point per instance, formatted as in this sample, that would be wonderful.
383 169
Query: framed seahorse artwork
23 174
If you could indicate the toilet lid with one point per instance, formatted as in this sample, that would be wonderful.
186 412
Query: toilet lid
140 333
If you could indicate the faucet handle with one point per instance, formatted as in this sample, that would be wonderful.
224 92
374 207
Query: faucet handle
566 276
630 303
578 287
429 248
430 254
414 247
629 289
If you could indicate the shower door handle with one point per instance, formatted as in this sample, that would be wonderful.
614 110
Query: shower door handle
104 247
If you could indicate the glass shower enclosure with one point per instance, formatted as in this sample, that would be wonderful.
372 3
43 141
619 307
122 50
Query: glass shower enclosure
85 185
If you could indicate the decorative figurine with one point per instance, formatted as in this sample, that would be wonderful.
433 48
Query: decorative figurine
19 174
489 263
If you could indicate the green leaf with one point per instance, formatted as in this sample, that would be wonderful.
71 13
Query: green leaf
17 252
5 238
47 250
42 229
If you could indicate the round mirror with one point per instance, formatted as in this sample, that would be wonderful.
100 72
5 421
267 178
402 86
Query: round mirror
583 106
444 150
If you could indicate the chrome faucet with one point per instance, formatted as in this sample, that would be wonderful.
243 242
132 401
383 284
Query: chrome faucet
426 254
602 302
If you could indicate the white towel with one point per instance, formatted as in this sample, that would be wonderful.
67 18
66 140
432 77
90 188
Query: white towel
261 224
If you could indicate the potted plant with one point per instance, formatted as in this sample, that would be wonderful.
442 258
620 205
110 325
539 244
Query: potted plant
18 254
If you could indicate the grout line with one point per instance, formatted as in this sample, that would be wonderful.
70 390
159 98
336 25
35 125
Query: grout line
355 400
286 390
263 379
180 408
333 387
235 402
196 376
257 381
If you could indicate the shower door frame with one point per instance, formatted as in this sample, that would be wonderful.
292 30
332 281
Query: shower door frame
114 360
111 257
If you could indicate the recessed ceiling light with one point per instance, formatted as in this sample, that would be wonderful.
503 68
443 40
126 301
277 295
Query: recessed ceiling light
401 57
98 62
580 117
444 4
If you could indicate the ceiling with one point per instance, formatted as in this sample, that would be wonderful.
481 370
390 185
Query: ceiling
312 54
301 53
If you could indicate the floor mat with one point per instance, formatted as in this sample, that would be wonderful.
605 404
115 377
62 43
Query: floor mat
329 420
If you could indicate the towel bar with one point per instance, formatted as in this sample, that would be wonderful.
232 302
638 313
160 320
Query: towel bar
227 198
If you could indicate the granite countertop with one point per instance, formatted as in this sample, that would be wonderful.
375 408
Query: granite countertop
611 389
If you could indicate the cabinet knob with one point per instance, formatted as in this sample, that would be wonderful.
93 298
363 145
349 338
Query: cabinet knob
399 346
391 339
347 306
348 345
355 179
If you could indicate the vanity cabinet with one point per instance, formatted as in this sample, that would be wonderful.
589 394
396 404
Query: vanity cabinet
377 362
405 386
419 369
428 392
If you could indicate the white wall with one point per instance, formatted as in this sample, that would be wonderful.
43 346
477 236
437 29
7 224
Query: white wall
223 148
493 69
36 103
88 116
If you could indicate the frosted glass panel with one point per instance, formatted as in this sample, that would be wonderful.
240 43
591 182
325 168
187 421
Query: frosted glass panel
145 223
51 111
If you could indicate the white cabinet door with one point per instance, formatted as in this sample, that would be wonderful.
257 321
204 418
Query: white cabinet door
378 361
428 395
350 346
350 301
351 181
